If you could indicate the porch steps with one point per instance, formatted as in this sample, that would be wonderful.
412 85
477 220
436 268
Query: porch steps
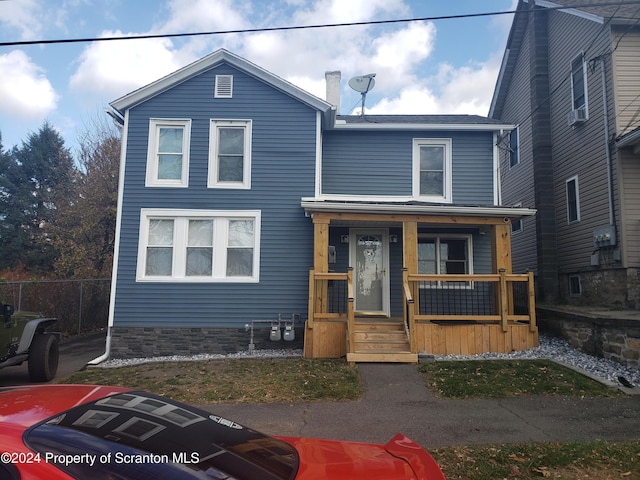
379 339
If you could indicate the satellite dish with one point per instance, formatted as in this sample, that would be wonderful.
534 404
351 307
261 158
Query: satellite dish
363 84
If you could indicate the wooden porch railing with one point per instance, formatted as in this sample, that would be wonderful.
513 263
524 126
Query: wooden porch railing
325 304
336 304
495 304
501 298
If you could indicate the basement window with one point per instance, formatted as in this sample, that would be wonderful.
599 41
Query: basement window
575 288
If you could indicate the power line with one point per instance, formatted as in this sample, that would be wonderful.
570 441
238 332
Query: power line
299 27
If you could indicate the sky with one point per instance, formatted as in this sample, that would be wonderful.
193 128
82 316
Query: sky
443 66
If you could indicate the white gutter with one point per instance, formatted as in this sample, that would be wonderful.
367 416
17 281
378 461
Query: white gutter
422 126
312 205
116 248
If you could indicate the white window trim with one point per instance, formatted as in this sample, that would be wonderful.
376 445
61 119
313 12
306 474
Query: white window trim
180 245
566 189
517 130
447 236
446 143
152 179
222 89
520 221
212 179
584 80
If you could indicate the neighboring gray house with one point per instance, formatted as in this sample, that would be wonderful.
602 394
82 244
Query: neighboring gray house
244 200
570 82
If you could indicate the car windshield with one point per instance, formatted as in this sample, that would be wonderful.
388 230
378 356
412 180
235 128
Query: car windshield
137 435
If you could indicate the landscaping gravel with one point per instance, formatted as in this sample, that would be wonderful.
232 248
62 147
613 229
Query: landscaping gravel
549 348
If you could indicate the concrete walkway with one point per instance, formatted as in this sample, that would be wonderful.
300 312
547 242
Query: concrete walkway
396 401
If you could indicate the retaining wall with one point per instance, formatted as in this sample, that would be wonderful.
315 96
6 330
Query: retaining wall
615 336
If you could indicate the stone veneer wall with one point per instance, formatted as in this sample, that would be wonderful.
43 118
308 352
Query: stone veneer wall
617 339
609 287
144 342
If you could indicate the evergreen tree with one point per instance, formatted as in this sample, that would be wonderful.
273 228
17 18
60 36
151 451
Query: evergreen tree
34 180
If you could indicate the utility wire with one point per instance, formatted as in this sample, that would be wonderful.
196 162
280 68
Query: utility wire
300 27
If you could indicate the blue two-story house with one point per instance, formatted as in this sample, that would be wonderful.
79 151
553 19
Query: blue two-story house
252 215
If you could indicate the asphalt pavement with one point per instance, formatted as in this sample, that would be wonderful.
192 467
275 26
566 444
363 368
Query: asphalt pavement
396 400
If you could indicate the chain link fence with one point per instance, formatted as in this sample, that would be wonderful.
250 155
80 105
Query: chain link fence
81 306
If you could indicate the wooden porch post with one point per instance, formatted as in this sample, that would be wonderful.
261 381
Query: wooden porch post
320 260
410 247
410 266
410 250
501 248
320 245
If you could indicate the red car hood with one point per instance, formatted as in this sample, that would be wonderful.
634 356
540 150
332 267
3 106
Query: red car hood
399 459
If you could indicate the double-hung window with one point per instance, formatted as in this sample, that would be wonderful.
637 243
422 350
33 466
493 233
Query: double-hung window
578 83
168 153
432 169
445 254
230 154
573 200
198 245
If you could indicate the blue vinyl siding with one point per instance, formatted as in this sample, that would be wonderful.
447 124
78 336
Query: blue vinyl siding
380 163
282 171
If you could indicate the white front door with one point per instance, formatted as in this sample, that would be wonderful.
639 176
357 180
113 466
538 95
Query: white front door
370 261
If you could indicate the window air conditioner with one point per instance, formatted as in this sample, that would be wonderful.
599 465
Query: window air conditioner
578 115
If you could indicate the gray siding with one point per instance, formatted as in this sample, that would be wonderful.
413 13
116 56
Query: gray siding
578 150
283 166
517 181
380 163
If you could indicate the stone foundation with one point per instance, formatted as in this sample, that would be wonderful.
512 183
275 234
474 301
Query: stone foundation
611 288
143 342
615 337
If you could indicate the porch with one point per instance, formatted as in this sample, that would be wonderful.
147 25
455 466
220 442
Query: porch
468 313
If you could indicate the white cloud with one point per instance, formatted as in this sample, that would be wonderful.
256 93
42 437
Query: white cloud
464 90
115 68
22 16
302 56
414 100
467 89
398 53
24 89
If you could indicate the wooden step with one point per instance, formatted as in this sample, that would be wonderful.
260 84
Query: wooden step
377 336
394 357
380 339
381 347
360 327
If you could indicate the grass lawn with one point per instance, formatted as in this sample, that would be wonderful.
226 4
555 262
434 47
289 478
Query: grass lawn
509 378
298 380
235 381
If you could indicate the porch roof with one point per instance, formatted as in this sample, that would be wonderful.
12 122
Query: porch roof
312 205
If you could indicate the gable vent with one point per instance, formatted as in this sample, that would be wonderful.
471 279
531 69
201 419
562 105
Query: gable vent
224 86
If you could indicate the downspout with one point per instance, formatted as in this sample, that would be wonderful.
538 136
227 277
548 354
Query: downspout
612 214
116 249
